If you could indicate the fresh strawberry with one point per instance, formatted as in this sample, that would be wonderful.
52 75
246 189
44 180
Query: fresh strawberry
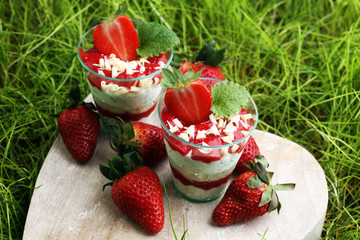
207 70
136 191
146 139
250 151
207 60
186 98
249 195
150 139
117 36
79 127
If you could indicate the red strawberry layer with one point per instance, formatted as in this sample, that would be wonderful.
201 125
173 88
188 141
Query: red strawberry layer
209 139
205 185
92 58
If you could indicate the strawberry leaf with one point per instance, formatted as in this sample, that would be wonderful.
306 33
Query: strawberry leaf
228 98
270 175
154 39
176 79
190 76
284 187
210 55
169 79
254 182
266 196
261 171
261 159
274 203
74 95
105 171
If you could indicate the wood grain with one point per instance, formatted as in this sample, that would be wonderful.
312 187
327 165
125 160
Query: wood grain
68 202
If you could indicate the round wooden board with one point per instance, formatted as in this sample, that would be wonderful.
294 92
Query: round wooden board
68 202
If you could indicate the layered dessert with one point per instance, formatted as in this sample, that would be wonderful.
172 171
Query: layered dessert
203 142
123 60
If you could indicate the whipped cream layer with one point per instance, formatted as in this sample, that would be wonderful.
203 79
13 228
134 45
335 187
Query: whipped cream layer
117 101
198 180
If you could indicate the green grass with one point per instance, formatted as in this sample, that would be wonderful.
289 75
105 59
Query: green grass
299 60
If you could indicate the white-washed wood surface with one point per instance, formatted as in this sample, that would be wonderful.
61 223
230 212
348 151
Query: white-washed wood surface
68 202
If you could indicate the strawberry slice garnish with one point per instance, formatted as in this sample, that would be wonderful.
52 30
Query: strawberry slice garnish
117 36
191 103
187 98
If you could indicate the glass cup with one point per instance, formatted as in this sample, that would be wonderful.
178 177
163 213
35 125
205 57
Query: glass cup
131 99
201 173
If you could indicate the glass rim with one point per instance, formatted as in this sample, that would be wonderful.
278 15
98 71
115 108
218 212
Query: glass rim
204 146
119 79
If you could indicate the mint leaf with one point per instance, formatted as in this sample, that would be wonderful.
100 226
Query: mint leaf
154 39
176 79
228 98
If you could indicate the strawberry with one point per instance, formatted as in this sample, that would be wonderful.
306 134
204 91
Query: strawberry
136 191
249 195
117 36
150 139
207 60
207 70
146 139
79 127
186 98
250 151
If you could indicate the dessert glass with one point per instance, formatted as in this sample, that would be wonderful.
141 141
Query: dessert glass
115 97
201 180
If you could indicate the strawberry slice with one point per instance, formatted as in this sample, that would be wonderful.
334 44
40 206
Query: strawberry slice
207 155
191 103
117 36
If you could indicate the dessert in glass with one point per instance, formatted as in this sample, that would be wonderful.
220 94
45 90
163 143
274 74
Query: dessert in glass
204 153
123 66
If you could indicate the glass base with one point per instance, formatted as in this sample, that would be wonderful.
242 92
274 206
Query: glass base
196 200
126 116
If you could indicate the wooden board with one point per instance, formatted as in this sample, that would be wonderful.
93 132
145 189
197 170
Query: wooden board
68 202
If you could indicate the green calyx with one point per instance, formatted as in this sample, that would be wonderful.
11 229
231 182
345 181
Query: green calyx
73 97
120 165
269 195
210 55
207 54
121 136
176 79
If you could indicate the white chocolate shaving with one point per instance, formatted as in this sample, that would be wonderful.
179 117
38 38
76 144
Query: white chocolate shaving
184 136
234 148
191 131
201 134
178 123
228 139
